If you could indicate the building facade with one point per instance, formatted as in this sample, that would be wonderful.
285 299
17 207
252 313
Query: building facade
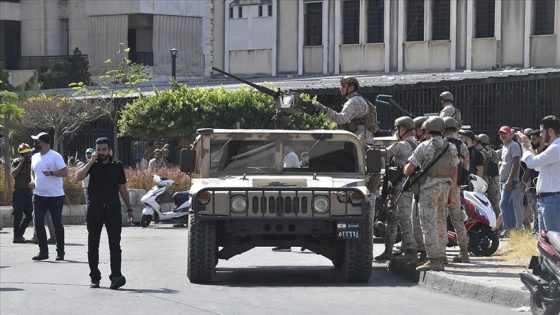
284 37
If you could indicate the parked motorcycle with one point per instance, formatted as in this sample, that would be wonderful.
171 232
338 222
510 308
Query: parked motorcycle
152 199
483 241
544 282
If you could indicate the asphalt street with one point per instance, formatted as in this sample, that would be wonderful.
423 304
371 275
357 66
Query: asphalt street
257 282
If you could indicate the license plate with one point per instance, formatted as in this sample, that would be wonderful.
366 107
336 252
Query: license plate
348 230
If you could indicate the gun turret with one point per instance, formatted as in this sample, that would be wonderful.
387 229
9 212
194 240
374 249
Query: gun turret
286 102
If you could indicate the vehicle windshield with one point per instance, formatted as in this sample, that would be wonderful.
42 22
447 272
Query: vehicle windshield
257 157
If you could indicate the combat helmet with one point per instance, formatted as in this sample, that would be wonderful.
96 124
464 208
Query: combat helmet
24 148
405 121
350 80
418 121
450 122
434 124
484 138
446 96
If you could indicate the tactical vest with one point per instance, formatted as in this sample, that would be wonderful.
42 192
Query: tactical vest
444 167
368 120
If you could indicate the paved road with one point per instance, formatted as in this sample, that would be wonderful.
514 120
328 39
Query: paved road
257 282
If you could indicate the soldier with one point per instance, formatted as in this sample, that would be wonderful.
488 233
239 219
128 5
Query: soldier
358 116
22 195
454 207
398 154
446 99
438 161
419 135
493 191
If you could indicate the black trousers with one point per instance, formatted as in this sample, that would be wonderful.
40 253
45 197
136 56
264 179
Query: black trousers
112 218
23 211
54 205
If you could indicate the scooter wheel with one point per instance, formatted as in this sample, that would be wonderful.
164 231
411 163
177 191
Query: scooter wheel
145 221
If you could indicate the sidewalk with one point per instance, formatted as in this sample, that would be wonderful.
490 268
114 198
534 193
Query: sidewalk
487 279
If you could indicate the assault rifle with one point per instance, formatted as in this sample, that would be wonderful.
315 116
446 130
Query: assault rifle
387 101
286 102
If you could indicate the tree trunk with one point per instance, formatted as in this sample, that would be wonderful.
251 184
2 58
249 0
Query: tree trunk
7 197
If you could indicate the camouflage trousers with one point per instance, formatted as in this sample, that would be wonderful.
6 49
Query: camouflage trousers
456 215
401 215
433 209
493 193
533 213
417 229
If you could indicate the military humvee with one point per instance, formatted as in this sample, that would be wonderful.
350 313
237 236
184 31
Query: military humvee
243 197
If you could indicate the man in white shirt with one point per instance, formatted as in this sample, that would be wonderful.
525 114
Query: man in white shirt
548 164
291 159
47 170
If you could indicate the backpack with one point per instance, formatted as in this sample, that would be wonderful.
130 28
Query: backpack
462 173
492 169
370 119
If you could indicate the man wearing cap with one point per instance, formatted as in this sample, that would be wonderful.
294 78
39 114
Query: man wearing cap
48 168
509 181
476 159
449 110
22 194
548 164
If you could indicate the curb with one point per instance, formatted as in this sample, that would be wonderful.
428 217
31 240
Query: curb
449 283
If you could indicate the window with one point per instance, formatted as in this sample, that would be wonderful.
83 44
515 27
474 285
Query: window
484 11
313 24
260 10
269 10
415 20
544 17
375 21
440 20
239 12
231 13
351 26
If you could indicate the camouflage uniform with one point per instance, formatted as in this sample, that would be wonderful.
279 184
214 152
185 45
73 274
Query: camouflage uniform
433 199
493 191
400 152
452 111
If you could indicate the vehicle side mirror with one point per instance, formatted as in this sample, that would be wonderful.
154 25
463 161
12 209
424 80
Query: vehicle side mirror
188 160
373 161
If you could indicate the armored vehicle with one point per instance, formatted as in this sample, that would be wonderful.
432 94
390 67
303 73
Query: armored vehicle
247 192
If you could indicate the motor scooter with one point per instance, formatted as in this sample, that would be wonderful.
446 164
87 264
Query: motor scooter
483 241
544 282
152 199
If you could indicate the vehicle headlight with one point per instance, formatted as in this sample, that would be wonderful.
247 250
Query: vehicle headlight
321 204
238 204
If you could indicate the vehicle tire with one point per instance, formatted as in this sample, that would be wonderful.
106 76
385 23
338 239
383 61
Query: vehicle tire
358 255
539 308
483 241
201 263
145 221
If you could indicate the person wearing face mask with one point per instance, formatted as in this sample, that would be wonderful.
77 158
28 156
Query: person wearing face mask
22 194
547 163
47 170
107 181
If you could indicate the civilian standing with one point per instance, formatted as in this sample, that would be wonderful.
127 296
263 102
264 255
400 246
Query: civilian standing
47 170
509 180
107 181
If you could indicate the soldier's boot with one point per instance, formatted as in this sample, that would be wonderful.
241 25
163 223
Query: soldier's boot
410 256
423 258
387 254
463 256
432 264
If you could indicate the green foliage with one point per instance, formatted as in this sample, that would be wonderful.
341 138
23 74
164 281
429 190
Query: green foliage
181 111
75 69
4 82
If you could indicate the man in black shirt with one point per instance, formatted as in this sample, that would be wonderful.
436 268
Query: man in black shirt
476 158
106 181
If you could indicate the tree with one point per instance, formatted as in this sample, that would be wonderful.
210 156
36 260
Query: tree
180 112
9 111
59 113
117 84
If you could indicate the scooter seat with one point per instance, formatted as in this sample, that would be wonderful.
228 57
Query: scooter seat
554 239
181 195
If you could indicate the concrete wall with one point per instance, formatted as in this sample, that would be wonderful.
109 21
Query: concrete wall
484 53
42 31
513 12
313 59
167 7
10 11
79 26
544 51
18 77
257 61
287 37
434 55
359 58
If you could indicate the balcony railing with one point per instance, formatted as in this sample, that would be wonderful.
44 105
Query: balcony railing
34 62
144 58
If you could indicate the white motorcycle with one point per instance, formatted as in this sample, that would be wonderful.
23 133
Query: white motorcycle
152 210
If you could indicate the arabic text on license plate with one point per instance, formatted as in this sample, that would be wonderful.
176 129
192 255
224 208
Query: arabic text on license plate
348 230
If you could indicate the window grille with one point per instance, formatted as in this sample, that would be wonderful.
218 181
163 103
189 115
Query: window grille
544 17
485 12
440 19
314 24
351 26
415 20
375 21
